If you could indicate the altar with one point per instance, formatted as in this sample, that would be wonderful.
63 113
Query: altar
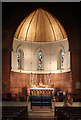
41 91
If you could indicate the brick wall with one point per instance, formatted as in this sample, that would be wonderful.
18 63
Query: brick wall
75 70
6 70
20 80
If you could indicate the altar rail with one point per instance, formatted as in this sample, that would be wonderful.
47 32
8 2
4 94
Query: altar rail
40 101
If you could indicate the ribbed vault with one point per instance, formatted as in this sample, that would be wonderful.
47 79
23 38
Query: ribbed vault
40 26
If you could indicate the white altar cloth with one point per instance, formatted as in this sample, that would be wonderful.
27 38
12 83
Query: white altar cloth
41 89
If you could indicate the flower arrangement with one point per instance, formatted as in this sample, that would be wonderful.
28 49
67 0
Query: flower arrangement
68 99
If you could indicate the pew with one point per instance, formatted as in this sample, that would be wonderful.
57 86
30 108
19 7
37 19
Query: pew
14 112
68 113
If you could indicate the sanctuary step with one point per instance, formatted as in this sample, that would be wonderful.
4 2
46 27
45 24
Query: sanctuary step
40 107
42 118
41 115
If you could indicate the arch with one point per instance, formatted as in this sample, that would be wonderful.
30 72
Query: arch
38 49
21 47
60 57
60 47
40 58
20 59
36 53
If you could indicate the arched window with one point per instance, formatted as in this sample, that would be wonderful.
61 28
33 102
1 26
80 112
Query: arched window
20 59
40 59
60 60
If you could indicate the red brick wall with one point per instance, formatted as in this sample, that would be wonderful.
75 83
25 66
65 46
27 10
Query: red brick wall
62 81
20 80
6 70
75 70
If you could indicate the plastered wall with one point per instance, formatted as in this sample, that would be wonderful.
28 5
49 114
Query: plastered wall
50 54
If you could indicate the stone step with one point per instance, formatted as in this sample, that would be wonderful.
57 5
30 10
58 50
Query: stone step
41 113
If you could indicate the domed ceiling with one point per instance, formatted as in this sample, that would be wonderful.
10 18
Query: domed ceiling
40 26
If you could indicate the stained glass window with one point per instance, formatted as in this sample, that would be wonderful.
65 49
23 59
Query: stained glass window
62 59
40 59
18 58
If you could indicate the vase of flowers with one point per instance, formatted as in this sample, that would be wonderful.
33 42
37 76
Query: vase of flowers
68 99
